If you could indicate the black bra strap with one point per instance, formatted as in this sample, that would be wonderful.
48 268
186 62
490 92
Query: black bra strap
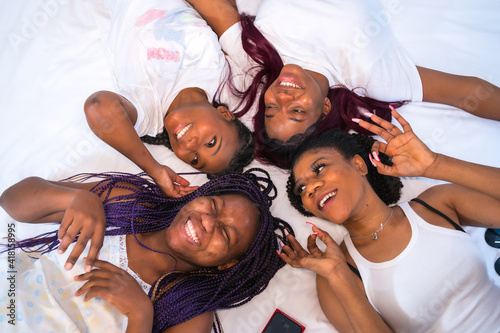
429 207
354 270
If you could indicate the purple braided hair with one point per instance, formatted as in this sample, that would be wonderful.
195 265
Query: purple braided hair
179 296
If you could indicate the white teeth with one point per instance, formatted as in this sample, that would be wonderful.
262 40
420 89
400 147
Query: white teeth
181 134
328 196
290 84
191 232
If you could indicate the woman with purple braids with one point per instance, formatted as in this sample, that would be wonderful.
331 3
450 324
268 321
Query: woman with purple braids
312 67
214 248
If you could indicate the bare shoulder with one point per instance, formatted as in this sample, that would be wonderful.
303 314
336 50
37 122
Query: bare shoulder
442 198
198 324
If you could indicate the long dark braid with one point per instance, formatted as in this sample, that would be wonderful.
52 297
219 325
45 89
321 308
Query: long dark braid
161 139
179 296
388 188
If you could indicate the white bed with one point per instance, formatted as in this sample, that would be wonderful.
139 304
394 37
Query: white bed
51 60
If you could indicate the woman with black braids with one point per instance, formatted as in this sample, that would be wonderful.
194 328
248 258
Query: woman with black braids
211 249
167 64
417 270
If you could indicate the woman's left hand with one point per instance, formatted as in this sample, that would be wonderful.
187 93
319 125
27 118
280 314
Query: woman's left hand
322 263
410 156
171 184
119 289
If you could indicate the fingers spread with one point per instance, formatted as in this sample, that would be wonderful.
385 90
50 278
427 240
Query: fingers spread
65 224
296 246
406 126
385 129
95 248
70 233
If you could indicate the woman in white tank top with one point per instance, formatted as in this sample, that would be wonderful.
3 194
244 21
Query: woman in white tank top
417 270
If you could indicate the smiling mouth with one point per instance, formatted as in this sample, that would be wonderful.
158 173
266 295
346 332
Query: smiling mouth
191 233
325 199
289 84
180 133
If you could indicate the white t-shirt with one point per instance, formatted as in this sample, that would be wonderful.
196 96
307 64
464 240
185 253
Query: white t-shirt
160 48
438 283
349 42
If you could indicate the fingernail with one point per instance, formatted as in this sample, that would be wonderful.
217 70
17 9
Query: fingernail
315 234
366 114
88 268
68 266
375 155
60 251
311 224
356 120
286 232
371 160
278 252
392 107
281 243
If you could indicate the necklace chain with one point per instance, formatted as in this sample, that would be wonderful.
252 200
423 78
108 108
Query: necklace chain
374 235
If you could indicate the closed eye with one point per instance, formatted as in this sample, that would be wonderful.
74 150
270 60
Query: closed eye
214 205
224 230
226 234
269 108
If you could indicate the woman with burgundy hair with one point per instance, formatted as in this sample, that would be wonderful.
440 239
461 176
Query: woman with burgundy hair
211 249
310 77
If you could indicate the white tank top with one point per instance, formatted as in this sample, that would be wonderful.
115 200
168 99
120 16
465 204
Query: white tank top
438 283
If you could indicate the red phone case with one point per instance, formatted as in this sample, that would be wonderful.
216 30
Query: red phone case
292 321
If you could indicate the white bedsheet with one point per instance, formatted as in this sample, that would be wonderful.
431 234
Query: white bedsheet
51 60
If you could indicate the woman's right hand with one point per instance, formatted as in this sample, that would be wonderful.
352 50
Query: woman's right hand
171 184
410 156
121 290
85 216
322 263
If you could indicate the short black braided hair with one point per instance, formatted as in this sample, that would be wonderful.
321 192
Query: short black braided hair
388 188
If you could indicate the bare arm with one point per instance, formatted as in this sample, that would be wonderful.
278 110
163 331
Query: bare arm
36 200
351 311
474 185
332 306
142 321
198 324
477 177
112 118
412 158
468 93
219 14
468 207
